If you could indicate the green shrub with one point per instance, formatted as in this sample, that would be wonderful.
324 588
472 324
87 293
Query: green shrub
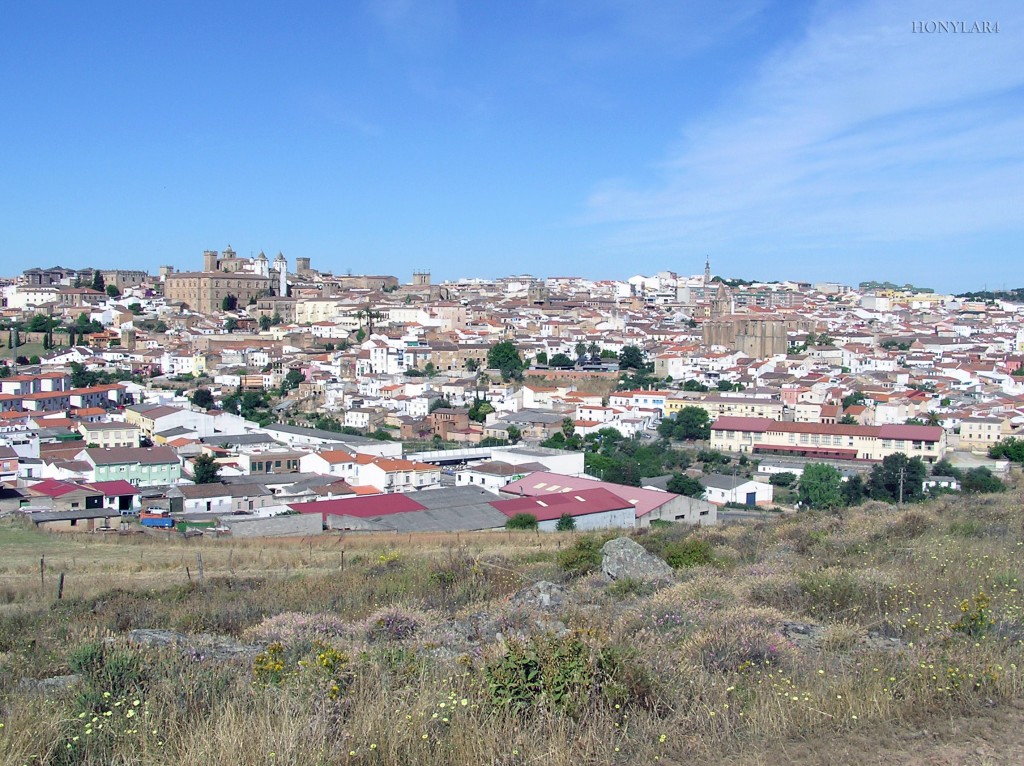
691 552
545 671
975 619
629 587
522 521
968 528
565 523
582 558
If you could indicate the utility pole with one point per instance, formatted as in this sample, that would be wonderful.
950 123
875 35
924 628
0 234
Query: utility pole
903 476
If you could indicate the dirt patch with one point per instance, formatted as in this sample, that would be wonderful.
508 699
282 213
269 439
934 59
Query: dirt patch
989 736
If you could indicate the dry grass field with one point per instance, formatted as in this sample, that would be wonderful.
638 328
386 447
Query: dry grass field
880 635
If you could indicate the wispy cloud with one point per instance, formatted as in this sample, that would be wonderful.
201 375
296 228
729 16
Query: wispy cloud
861 132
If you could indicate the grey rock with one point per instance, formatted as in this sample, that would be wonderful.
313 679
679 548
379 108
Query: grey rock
542 595
200 645
623 558
56 683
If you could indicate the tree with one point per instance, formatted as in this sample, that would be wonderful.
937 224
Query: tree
472 365
231 324
34 359
202 398
692 423
5 370
694 385
820 487
438 403
480 409
568 427
291 381
15 337
581 350
854 399
631 358
594 350
39 323
565 523
561 361
541 358
1012 449
112 291
784 479
682 484
505 356
981 480
854 490
229 302
514 434
264 323
97 281
897 479
205 470
848 420
429 370
522 521
276 319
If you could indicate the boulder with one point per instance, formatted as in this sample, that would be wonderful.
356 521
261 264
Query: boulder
623 559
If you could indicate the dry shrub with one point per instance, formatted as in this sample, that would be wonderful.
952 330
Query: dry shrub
840 637
737 641
908 526
291 628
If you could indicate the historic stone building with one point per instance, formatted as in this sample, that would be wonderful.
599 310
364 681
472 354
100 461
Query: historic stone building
226 274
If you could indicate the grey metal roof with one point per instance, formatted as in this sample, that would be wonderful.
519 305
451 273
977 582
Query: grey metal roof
721 481
238 439
462 519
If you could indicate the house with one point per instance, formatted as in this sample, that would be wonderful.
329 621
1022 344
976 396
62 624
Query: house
395 474
142 466
64 496
108 435
8 464
357 513
649 504
219 498
494 474
331 462
445 420
120 495
157 418
827 440
721 489
90 520
452 509
980 433
940 482
589 508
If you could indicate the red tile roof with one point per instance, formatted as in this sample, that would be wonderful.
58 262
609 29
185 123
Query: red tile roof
360 507
548 507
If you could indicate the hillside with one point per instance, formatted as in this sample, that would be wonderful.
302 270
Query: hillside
879 635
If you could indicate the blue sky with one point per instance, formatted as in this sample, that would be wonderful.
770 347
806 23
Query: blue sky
605 138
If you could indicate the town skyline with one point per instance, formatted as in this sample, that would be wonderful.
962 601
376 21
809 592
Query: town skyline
800 141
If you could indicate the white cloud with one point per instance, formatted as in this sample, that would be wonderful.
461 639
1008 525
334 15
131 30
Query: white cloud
860 132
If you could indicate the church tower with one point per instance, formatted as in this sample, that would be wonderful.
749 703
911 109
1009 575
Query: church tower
281 267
